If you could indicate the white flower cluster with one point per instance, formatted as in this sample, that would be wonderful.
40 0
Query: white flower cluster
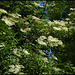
9 21
57 28
61 23
40 40
2 45
25 30
72 8
2 11
52 41
33 17
67 19
15 15
60 28
16 52
26 52
54 57
50 23
15 68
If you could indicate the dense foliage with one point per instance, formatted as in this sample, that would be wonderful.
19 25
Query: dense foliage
26 39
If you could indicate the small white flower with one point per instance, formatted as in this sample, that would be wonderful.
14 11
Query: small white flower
16 52
26 52
55 58
67 19
26 22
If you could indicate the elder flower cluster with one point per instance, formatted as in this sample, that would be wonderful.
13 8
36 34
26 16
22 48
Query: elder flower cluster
40 40
15 68
51 41
25 30
2 11
33 17
9 21
61 25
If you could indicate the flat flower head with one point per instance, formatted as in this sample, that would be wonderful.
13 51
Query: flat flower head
2 11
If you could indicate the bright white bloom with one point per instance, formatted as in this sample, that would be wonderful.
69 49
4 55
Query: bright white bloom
67 18
42 37
2 45
9 21
15 15
12 68
72 8
57 28
40 40
15 68
55 58
62 23
56 22
54 41
42 43
2 11
33 17
50 23
16 52
26 52
65 28
4 33
25 30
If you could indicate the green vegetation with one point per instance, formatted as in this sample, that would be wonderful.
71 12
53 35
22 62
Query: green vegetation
24 36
